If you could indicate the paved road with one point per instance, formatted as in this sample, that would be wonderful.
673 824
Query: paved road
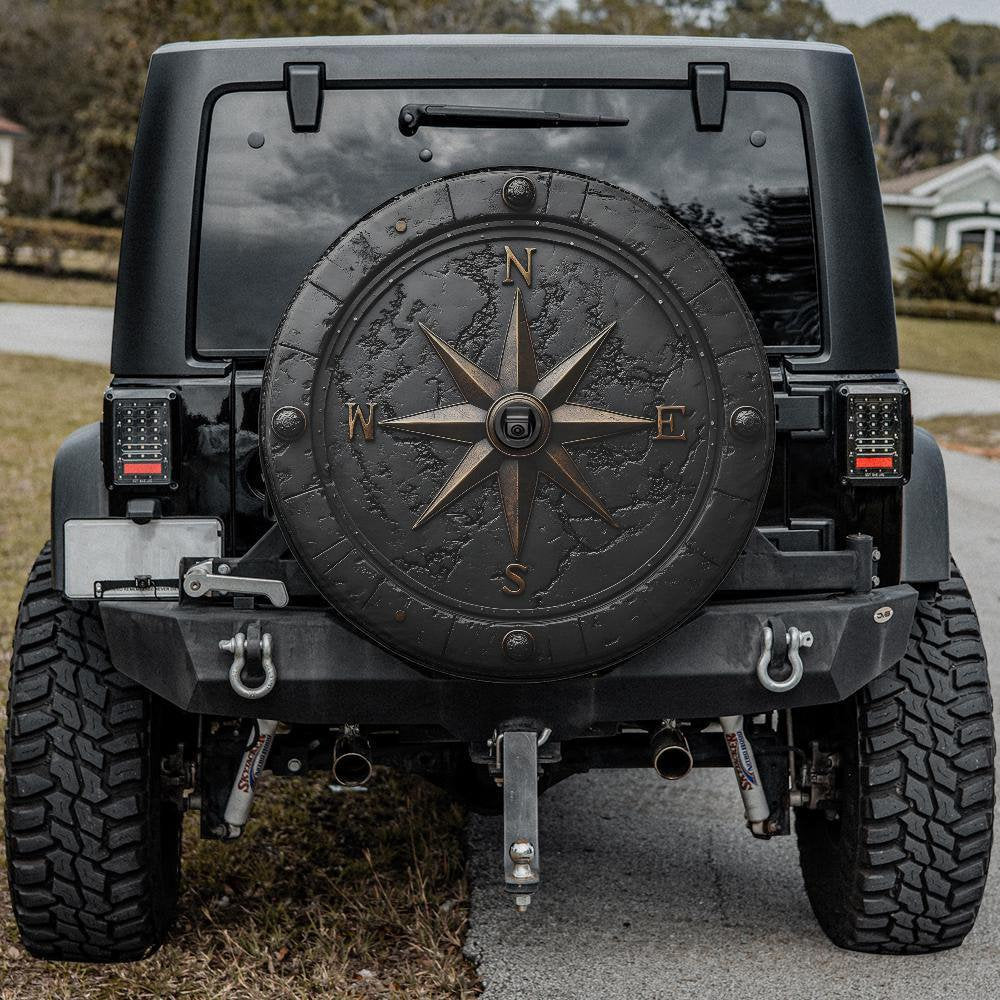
655 890
78 333
934 394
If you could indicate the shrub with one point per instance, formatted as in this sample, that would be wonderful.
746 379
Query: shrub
933 274
942 309
985 296
57 246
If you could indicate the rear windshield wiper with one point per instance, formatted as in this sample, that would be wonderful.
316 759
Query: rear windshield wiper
413 116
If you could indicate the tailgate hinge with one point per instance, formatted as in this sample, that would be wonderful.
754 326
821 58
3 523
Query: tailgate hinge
304 83
709 82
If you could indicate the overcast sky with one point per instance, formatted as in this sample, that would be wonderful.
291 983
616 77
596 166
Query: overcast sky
927 12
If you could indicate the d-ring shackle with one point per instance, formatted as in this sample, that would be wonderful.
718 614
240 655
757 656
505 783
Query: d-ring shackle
795 640
238 647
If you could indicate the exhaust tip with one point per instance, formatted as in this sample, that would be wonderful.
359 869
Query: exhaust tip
352 768
672 758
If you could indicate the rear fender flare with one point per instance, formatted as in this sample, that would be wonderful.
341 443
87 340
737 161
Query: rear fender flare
925 546
78 489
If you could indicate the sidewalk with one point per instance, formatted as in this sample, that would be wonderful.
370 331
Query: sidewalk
934 394
76 333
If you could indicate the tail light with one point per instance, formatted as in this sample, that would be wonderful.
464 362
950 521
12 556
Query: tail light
139 435
877 432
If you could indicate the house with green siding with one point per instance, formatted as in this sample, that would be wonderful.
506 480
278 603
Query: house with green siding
956 207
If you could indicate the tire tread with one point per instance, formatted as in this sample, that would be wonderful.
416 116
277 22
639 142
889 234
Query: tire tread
83 833
914 850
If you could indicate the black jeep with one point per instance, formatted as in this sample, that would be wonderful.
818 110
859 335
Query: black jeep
498 409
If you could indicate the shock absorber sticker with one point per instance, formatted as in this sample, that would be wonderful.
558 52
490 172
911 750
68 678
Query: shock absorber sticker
743 764
253 763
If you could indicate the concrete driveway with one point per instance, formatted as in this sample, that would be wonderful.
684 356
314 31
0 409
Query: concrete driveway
933 394
77 333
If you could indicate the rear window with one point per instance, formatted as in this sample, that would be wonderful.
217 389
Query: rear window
268 213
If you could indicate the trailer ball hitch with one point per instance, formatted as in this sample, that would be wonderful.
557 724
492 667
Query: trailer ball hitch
517 757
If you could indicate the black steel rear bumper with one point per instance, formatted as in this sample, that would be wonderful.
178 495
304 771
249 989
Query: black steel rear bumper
327 674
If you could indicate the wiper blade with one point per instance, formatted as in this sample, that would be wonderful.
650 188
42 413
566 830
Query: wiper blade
414 116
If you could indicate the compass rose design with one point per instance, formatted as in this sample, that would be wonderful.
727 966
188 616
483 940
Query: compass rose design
516 425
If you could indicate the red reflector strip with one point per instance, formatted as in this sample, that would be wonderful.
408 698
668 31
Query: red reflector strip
143 469
873 462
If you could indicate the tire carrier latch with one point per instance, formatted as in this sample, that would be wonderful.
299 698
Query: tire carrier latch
202 580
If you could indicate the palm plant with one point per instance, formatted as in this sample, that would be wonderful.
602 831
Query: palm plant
934 274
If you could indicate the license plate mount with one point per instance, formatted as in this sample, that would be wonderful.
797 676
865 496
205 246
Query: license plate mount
117 557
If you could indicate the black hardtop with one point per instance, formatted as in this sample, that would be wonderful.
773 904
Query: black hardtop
153 331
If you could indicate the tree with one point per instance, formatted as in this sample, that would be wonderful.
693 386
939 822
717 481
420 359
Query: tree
620 17
915 98
44 85
974 53
796 20
454 16
136 27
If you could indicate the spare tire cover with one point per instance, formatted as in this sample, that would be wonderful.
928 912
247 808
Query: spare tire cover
517 424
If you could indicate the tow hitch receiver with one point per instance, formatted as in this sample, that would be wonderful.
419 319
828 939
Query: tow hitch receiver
518 752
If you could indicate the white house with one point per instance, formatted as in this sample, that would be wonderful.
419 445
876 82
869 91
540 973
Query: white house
955 206
9 131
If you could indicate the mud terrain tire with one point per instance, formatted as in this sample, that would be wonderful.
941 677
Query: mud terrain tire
902 868
93 854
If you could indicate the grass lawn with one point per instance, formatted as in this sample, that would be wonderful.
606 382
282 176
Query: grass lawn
956 347
22 286
976 433
325 896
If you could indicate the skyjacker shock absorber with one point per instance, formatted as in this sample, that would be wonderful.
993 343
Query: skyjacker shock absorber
252 763
747 776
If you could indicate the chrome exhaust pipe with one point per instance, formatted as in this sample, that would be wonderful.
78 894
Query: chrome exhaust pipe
352 763
671 754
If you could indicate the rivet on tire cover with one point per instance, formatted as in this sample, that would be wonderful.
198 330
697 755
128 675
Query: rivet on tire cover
588 323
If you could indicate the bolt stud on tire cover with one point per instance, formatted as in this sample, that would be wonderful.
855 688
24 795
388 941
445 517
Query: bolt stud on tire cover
499 433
